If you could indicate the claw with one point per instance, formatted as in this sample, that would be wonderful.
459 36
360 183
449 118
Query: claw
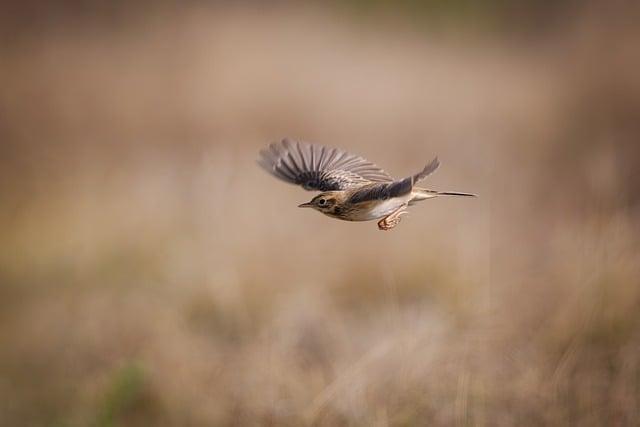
391 220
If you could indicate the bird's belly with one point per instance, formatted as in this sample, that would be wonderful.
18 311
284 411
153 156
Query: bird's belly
379 208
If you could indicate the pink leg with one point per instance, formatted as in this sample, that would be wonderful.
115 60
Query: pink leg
393 219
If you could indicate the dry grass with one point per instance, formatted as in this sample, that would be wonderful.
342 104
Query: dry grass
152 275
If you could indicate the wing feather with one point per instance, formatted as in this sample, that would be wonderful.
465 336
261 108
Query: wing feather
316 167
387 190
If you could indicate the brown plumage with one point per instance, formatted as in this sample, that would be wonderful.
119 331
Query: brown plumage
353 189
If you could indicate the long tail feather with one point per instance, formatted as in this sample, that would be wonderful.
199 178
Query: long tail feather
420 194
454 193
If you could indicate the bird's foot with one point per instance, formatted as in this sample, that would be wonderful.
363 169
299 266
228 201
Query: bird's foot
390 221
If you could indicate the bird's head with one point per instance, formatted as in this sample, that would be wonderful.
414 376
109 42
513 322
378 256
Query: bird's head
324 202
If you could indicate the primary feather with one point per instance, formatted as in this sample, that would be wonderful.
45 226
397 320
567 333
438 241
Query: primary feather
319 168
387 190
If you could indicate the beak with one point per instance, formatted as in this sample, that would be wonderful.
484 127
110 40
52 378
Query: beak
306 205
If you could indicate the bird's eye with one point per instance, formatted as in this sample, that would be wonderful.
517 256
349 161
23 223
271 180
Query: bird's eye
322 202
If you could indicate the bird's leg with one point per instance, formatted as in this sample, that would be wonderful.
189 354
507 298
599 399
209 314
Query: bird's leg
393 219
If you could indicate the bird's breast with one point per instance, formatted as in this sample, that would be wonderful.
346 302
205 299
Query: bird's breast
375 209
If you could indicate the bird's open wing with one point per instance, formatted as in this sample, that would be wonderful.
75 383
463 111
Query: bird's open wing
319 168
387 190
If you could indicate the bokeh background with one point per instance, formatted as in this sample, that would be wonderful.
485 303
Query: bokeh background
152 274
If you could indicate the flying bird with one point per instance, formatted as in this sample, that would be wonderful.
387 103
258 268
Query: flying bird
352 188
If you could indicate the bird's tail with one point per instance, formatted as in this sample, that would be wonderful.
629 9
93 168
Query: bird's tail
420 194
454 193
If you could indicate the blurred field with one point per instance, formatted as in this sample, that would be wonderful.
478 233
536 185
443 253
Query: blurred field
152 274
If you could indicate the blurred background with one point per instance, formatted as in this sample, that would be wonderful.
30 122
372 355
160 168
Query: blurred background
152 274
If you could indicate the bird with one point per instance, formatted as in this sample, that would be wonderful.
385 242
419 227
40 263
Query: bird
351 187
